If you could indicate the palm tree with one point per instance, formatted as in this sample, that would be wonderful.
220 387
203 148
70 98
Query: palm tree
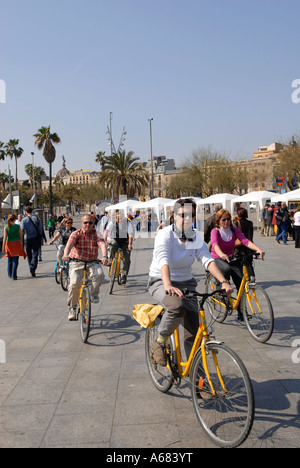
36 175
2 152
100 158
45 139
123 173
13 152
4 179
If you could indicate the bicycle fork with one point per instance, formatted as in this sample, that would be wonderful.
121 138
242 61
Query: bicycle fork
204 351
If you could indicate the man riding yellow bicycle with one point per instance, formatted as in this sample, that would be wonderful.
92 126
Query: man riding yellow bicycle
82 248
119 234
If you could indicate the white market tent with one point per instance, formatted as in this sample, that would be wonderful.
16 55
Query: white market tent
224 198
156 204
260 196
294 195
290 196
6 204
127 206
171 203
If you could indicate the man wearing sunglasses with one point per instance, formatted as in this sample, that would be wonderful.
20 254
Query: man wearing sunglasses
82 247
175 250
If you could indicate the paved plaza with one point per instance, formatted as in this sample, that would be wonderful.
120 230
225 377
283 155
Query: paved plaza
56 391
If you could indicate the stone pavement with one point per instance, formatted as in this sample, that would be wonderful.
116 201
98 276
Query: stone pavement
56 391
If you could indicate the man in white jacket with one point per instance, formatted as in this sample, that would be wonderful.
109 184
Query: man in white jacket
175 250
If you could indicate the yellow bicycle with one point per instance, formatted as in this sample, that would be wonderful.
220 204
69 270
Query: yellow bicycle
84 306
255 304
221 389
116 268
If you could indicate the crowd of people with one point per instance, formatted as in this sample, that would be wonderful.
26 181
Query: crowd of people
277 220
177 245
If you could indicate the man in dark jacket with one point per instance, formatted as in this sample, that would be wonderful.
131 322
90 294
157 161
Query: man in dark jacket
210 223
282 217
32 228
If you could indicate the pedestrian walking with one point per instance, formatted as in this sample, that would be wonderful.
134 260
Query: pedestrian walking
32 228
297 228
51 225
282 217
12 246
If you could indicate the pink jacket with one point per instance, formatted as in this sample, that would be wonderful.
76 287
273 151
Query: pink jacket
226 247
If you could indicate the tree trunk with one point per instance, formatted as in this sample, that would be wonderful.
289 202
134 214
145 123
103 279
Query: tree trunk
50 187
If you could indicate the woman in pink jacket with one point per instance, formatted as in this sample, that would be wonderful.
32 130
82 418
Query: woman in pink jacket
223 241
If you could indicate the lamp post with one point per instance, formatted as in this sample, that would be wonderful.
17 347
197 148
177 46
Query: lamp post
152 188
33 181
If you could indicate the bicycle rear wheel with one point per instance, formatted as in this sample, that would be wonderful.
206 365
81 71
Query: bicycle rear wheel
112 275
64 278
215 304
121 268
258 313
226 416
85 314
162 377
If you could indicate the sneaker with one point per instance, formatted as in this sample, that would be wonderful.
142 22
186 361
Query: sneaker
72 314
159 354
123 278
95 299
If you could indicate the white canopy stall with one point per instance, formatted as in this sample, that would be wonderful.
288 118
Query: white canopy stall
260 196
127 206
205 206
157 205
293 195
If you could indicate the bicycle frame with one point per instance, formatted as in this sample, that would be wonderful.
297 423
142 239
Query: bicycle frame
244 286
202 337
119 256
84 284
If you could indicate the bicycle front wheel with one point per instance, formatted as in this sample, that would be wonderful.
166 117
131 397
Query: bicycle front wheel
227 414
64 278
57 274
258 313
215 304
85 314
161 377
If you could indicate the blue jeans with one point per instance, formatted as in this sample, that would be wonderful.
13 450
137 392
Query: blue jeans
282 230
12 267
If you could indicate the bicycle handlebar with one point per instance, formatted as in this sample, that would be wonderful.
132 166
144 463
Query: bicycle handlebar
235 257
188 294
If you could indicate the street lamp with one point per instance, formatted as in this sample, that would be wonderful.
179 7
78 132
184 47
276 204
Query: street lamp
152 189
33 181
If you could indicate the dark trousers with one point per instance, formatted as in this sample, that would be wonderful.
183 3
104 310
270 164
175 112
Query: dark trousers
233 269
114 245
297 236
32 247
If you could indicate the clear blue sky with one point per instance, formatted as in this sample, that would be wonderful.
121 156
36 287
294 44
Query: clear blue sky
210 72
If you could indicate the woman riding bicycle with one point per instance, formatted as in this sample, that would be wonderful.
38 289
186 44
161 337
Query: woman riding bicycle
175 250
223 242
